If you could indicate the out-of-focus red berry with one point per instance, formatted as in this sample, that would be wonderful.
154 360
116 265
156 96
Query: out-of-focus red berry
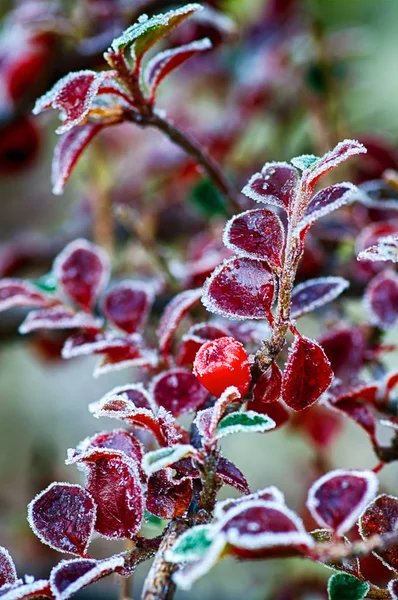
221 363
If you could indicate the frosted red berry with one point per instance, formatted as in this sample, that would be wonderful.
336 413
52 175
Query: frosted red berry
222 363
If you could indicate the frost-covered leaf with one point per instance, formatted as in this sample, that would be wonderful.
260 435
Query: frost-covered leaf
275 410
381 299
243 422
73 95
17 292
240 288
208 419
135 393
114 483
330 160
312 294
229 474
70 576
192 571
67 152
146 32
30 589
8 572
256 234
338 498
305 161
86 343
343 586
381 518
276 184
393 588
59 317
178 391
63 517
307 374
127 305
165 457
360 412
168 498
191 545
269 494
164 63
130 355
386 249
82 271
173 315
117 439
327 200
269 386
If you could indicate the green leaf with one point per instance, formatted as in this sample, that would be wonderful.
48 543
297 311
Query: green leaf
146 32
208 199
305 161
164 457
46 283
192 545
343 586
243 422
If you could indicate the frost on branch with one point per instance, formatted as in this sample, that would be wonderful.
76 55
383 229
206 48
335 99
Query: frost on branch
59 317
385 250
307 374
328 200
381 518
82 271
277 184
314 293
240 288
126 306
17 292
63 517
68 151
381 299
8 573
338 498
256 234
173 315
178 391
70 576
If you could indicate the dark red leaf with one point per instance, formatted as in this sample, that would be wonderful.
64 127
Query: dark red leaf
359 412
17 292
173 315
268 387
240 288
168 498
130 354
70 576
178 391
231 475
332 159
327 200
381 299
127 306
82 270
135 393
393 588
314 293
256 234
275 410
8 573
63 517
319 424
59 317
276 184
91 342
381 518
269 494
307 374
338 498
118 439
20 591
68 151
345 348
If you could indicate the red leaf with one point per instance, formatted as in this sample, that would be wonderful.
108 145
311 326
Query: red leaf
88 342
127 306
275 410
70 576
268 387
68 151
393 588
168 498
231 475
240 288
135 393
345 348
173 315
164 63
222 363
129 355
269 494
359 412
256 234
307 374
19 591
312 294
114 483
82 270
59 317
381 518
178 391
118 439
73 95
276 184
63 517
338 498
8 573
194 339
17 292
381 299
327 200
330 160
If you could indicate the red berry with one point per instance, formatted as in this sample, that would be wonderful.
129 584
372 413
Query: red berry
221 363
